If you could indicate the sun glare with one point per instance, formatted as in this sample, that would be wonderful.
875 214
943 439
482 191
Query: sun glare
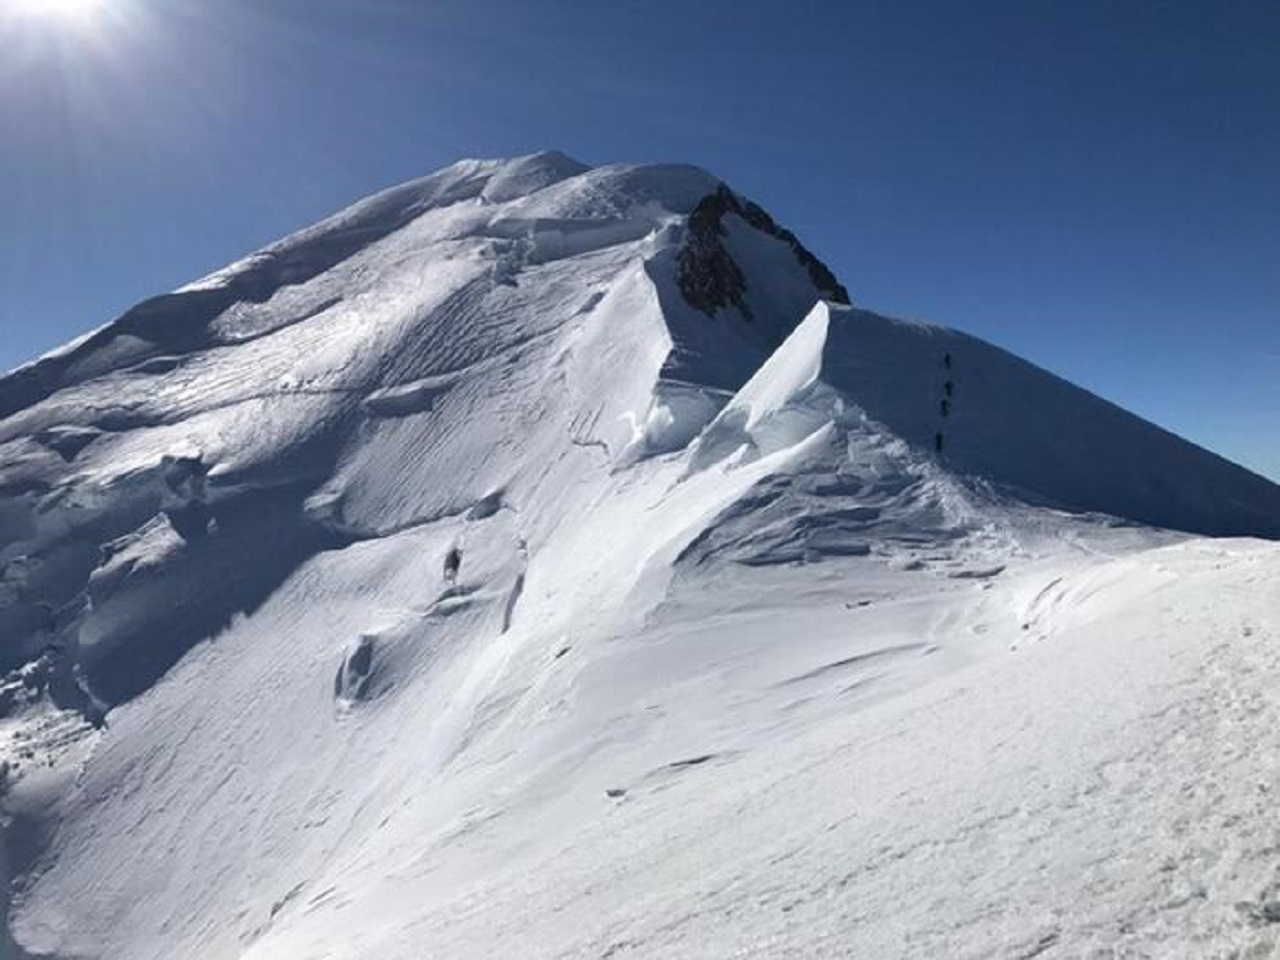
66 10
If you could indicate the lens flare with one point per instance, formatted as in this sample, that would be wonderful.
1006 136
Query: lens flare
68 10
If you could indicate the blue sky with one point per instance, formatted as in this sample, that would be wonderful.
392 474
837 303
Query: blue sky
1092 185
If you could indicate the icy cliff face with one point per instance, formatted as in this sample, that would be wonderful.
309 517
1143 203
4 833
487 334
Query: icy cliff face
417 517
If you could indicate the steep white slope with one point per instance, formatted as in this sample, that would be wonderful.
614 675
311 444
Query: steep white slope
446 343
428 562
991 415
1106 790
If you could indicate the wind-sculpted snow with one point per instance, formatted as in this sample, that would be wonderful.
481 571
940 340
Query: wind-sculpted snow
998 417
446 580
409 337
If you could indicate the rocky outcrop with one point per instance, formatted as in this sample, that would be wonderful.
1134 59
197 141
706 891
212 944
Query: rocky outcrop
711 280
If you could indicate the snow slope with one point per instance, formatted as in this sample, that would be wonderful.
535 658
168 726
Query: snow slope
519 563
998 417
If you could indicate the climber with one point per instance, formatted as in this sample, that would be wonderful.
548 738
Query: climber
946 406
452 563
948 388
937 442
946 359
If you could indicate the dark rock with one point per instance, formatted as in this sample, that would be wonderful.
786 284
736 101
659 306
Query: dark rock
709 278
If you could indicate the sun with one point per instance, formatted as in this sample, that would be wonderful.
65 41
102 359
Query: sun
69 11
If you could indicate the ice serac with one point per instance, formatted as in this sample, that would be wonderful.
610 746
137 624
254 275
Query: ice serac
344 589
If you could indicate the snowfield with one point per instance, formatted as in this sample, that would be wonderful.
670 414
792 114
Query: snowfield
536 560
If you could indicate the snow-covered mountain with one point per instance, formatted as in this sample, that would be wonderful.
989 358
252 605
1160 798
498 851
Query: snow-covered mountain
542 560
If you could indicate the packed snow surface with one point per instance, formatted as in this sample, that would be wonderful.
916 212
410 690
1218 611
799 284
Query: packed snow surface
531 561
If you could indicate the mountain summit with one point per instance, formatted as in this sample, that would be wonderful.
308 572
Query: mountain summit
514 487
